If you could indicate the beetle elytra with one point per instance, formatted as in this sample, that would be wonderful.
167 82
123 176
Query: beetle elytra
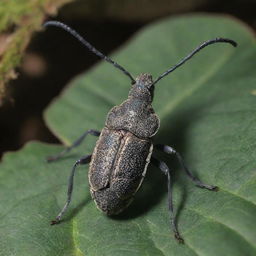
124 149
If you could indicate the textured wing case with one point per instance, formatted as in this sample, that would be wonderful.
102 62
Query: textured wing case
117 168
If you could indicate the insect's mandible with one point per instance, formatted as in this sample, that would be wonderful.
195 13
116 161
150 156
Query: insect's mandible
124 149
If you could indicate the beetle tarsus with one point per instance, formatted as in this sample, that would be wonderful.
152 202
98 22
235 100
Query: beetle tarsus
51 159
54 222
208 187
179 238
215 188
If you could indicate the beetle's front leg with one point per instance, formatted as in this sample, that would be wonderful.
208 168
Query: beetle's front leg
170 150
165 169
83 160
75 144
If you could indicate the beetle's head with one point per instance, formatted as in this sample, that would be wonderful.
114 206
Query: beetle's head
143 87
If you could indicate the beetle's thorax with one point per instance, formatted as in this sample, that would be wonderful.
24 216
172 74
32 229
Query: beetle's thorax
136 114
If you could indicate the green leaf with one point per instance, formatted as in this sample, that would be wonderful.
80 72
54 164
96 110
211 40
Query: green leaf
207 110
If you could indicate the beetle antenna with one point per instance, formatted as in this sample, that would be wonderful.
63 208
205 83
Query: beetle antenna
88 45
199 48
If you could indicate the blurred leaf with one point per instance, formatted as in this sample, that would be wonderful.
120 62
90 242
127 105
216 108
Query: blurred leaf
207 111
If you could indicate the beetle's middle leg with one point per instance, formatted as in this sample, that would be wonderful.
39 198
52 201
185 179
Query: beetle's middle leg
75 144
165 169
83 160
199 183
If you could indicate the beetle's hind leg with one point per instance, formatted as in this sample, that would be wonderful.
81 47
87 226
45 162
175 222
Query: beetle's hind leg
165 169
170 150
83 160
75 144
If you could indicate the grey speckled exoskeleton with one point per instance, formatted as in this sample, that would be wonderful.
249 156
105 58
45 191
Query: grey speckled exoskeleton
124 149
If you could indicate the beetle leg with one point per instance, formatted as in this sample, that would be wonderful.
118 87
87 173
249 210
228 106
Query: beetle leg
170 150
75 144
83 160
165 169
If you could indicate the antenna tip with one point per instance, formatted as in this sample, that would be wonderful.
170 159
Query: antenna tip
226 40
47 23
54 23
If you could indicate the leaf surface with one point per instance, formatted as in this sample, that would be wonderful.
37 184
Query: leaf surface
207 111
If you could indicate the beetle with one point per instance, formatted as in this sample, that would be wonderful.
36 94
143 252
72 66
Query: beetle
124 149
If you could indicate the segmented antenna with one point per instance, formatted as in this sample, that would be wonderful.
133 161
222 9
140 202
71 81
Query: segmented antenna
199 48
88 45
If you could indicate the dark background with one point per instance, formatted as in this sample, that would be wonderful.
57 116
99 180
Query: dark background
54 57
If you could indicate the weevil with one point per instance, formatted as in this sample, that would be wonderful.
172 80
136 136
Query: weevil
124 149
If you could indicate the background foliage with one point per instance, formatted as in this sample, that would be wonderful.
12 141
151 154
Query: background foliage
207 112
